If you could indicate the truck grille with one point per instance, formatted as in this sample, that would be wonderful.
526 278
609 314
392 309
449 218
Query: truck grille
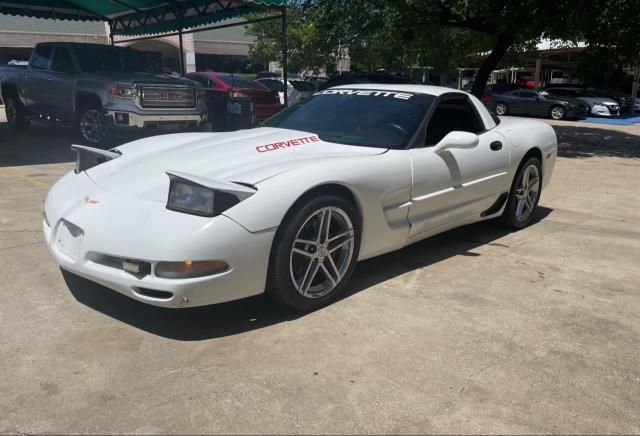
167 97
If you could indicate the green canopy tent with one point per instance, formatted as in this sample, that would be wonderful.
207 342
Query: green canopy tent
147 19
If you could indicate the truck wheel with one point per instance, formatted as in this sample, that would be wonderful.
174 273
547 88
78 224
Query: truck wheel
16 114
91 126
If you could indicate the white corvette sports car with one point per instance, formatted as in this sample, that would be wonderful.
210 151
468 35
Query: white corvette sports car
289 208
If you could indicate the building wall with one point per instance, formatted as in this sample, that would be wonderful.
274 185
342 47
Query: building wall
228 47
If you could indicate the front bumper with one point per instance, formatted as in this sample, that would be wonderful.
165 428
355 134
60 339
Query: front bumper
604 110
576 112
130 120
120 227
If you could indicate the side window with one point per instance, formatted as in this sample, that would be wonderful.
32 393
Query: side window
527 94
452 114
41 57
62 61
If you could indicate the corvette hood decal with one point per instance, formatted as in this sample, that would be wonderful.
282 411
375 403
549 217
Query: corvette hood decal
248 156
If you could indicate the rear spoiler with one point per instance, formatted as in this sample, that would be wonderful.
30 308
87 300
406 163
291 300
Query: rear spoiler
241 191
89 157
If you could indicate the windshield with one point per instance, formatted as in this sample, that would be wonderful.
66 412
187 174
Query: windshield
369 118
301 86
115 59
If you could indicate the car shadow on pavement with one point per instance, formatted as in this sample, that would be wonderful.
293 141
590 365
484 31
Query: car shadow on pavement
42 143
253 313
584 142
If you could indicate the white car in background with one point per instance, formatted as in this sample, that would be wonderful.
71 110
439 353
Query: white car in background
598 105
297 90
355 171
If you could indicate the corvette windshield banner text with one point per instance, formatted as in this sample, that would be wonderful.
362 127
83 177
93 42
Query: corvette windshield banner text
366 92
286 144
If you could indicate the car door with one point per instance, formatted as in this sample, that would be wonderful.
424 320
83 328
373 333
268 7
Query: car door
62 76
455 186
37 80
511 100
530 103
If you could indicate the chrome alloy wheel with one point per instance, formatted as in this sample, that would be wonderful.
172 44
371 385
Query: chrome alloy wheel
557 113
92 126
501 109
527 193
322 252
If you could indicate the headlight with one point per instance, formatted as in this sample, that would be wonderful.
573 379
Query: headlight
123 91
189 197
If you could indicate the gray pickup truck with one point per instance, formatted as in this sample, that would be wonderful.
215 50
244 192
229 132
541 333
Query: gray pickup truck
99 90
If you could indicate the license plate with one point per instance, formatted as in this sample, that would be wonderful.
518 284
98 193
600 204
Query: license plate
69 240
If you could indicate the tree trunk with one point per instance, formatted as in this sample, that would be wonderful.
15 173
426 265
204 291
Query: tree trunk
503 42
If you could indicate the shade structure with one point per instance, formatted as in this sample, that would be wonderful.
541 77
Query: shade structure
141 17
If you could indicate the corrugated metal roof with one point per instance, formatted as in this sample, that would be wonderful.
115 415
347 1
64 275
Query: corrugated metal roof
140 17
10 23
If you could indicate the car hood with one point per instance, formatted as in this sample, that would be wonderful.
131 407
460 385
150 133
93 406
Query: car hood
142 78
246 156
594 100
570 100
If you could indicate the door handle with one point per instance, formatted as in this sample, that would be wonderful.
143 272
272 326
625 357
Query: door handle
49 78
496 145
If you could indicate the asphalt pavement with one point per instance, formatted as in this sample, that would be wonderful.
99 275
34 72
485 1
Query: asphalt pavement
478 330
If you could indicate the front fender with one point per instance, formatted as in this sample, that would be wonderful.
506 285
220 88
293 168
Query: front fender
380 184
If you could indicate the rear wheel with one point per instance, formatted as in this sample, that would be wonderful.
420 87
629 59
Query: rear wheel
16 113
557 113
501 109
524 195
314 253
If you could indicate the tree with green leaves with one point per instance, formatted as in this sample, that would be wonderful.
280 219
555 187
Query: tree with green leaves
392 32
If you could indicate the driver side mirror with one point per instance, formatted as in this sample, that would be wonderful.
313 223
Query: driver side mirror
457 139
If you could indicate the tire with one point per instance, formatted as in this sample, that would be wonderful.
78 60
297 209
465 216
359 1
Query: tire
299 272
519 212
16 113
557 113
90 126
501 108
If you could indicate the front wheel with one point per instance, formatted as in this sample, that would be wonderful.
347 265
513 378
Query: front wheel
16 113
501 109
314 253
524 195
91 126
558 113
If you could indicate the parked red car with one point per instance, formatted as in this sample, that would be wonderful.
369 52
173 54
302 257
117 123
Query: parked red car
267 102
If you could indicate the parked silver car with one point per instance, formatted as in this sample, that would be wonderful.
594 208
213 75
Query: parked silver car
598 105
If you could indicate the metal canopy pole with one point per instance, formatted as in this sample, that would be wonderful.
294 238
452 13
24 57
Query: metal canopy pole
284 56
182 68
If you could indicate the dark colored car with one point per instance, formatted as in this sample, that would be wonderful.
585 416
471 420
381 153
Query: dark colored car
266 101
495 89
538 103
354 78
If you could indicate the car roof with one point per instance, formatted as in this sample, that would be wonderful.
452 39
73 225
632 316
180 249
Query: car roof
416 89
217 74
